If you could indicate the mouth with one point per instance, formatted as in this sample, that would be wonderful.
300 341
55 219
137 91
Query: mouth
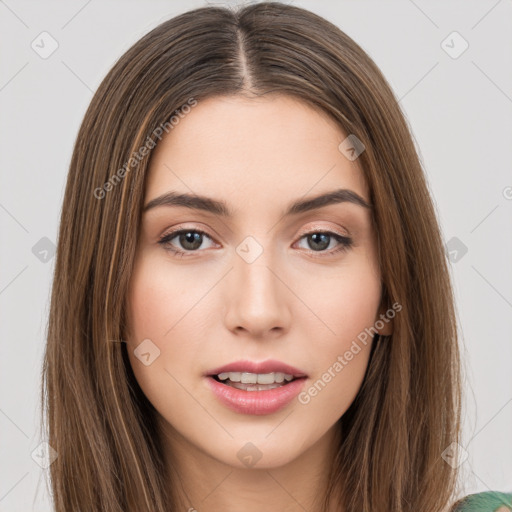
254 398
253 376
254 382
255 393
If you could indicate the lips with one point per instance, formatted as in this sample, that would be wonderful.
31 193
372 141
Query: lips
255 402
268 366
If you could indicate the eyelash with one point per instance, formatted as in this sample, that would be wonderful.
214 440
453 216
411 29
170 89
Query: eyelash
345 242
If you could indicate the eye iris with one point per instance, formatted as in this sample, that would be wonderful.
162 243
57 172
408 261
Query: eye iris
191 237
315 238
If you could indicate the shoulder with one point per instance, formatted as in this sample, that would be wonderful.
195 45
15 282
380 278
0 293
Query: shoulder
489 501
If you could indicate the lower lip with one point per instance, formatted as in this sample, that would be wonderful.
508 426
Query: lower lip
256 402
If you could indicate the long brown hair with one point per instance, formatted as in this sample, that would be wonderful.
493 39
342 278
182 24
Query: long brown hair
103 428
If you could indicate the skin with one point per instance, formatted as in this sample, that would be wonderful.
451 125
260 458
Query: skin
296 303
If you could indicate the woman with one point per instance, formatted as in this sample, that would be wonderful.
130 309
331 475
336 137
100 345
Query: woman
251 304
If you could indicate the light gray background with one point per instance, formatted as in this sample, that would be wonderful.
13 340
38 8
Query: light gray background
459 110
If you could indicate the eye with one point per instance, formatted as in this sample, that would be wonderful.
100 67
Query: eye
321 240
192 239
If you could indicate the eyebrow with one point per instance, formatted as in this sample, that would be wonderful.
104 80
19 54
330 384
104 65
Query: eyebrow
217 207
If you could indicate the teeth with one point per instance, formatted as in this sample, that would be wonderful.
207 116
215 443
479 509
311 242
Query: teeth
255 378
252 387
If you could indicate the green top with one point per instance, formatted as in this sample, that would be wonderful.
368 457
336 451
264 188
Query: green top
489 501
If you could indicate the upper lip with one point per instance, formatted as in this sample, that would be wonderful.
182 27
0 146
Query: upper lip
268 366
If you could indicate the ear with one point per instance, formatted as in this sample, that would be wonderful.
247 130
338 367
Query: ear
384 323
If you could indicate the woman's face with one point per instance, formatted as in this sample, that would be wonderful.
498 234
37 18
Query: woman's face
261 284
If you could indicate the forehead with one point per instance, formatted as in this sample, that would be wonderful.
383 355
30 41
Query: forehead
253 153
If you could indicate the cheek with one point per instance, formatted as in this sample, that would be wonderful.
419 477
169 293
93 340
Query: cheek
163 308
355 305
156 312
347 305
161 296
170 306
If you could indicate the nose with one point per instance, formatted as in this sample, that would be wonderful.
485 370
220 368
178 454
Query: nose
257 299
